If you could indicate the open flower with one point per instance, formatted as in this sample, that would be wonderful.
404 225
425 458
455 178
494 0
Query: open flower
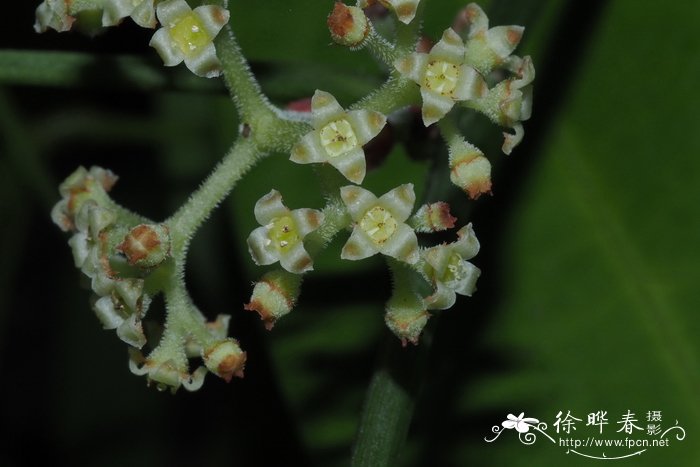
167 367
443 76
380 224
488 48
281 237
141 11
188 35
338 136
449 271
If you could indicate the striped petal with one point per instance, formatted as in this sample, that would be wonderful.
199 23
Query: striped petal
306 220
309 150
352 165
297 260
324 108
366 124
402 245
470 85
413 66
269 207
449 48
357 200
260 247
359 246
213 18
399 201
435 106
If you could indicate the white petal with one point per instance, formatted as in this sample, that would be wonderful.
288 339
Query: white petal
366 124
324 108
470 85
435 106
269 207
449 48
359 246
107 314
130 331
80 248
442 299
438 257
467 245
512 140
213 18
205 64
402 245
399 201
352 165
306 220
297 260
413 66
309 150
467 284
478 21
502 40
166 48
115 10
171 10
260 247
357 200
145 14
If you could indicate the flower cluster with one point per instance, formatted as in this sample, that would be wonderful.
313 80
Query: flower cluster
86 210
130 259
186 34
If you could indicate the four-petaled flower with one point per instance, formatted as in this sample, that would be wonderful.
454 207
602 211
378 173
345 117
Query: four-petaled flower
282 233
449 271
141 11
188 35
380 224
443 76
522 425
338 136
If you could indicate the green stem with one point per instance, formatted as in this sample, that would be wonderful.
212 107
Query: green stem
395 93
388 408
185 222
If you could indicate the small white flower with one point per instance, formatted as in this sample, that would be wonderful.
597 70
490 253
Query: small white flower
449 271
380 224
338 137
188 35
282 233
443 76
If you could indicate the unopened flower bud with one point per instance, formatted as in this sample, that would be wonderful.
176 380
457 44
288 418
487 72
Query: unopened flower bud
348 25
274 296
406 317
433 217
146 246
469 169
225 359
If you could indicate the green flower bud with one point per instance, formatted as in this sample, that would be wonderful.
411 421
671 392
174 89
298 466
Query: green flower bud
274 296
225 359
348 25
146 246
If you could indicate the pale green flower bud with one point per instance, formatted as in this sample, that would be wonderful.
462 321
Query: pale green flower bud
348 25
433 217
146 245
274 296
225 359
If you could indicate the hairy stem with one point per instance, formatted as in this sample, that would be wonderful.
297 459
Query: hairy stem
185 222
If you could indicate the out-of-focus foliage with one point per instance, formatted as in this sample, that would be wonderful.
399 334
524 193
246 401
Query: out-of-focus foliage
587 299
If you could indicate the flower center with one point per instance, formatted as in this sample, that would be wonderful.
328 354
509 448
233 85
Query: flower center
189 34
455 271
338 138
283 233
379 224
441 77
